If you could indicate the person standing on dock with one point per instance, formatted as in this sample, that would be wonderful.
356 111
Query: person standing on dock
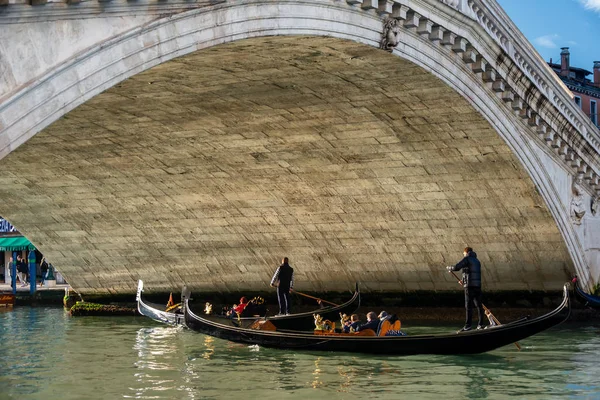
471 281
284 280
12 263
22 270
44 270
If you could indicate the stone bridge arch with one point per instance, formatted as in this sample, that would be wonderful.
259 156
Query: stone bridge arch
470 45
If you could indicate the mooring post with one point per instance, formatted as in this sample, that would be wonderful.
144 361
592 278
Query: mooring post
13 272
32 272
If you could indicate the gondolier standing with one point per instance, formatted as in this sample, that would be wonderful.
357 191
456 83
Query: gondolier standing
471 280
284 280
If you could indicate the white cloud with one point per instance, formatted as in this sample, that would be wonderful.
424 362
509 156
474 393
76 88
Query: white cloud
547 41
593 5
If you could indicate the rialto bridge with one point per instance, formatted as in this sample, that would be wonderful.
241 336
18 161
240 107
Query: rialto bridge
200 141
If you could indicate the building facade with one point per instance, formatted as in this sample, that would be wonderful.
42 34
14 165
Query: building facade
13 242
586 91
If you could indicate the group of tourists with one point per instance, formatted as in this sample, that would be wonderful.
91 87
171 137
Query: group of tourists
374 322
23 277
283 280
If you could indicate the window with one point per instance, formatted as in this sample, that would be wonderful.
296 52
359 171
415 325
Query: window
594 112
578 101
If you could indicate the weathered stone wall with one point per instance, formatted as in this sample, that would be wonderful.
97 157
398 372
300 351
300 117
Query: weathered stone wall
471 46
208 169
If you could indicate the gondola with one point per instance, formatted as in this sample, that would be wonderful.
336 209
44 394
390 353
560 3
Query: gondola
298 321
157 312
470 342
586 298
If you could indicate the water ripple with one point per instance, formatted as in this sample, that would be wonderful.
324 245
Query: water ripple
45 354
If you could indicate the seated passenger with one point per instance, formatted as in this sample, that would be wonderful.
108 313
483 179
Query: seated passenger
344 320
389 322
228 310
384 316
352 325
242 306
372 323
238 309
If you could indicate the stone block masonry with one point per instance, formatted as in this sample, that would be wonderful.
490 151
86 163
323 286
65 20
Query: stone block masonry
207 170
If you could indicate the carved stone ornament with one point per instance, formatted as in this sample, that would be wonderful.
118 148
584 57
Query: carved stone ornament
389 38
451 3
596 206
577 206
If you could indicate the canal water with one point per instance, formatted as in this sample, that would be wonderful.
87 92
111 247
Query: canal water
45 354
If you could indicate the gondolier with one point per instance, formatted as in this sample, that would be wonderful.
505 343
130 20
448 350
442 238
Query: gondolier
284 280
471 280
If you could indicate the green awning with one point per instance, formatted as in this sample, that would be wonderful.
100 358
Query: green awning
15 243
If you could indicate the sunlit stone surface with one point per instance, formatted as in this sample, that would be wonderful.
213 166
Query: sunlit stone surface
206 170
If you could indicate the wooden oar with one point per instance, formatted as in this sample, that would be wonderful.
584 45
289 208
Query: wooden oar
314 298
487 310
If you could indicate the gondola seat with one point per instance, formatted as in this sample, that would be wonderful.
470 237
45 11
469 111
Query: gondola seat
325 327
366 332
386 326
173 308
263 325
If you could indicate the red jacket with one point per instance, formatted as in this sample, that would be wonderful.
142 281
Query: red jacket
240 308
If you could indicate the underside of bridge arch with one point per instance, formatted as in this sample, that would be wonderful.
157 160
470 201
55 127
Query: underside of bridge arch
207 169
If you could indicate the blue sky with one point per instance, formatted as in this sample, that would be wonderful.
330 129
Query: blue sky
552 24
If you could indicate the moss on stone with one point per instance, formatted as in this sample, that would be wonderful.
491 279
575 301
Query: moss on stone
95 309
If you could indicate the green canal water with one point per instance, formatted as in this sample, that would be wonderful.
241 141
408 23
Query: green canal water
45 354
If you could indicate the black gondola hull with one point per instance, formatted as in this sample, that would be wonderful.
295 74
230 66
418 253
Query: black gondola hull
153 311
586 298
299 321
477 341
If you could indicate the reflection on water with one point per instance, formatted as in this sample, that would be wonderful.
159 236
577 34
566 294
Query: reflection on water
45 354
316 383
156 356
346 378
210 347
